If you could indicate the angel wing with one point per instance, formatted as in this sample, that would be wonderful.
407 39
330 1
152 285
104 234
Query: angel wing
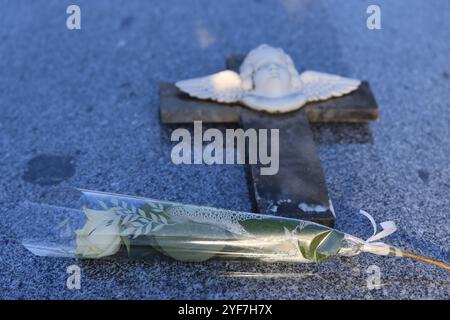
224 86
316 86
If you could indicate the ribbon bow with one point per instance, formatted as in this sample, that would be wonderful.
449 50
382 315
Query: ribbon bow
371 245
389 227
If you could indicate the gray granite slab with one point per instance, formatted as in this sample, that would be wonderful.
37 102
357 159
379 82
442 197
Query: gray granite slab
92 96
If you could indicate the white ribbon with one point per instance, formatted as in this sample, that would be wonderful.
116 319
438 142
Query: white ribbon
381 248
389 227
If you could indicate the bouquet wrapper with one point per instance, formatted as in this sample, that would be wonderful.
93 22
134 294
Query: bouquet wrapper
111 225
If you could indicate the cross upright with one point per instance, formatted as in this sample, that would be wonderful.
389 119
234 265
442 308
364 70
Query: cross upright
299 189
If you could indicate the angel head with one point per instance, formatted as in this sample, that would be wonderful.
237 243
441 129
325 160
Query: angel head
269 71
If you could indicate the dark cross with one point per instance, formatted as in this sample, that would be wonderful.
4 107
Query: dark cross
299 189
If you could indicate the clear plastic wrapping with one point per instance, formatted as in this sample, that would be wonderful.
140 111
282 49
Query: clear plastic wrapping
111 225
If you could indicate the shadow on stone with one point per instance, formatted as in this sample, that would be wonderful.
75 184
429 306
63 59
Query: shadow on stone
49 170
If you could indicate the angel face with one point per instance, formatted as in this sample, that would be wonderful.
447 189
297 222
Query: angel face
268 72
272 80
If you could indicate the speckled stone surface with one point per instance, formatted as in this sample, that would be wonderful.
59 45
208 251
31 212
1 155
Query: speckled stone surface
88 101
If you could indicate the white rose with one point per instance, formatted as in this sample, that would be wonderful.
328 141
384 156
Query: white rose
96 239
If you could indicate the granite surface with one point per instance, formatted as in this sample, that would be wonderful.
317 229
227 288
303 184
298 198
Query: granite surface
80 108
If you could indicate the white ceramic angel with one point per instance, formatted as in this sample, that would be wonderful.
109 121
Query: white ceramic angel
268 81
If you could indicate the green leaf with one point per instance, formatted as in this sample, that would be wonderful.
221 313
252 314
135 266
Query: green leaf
154 217
269 226
163 219
138 232
158 227
127 218
153 205
190 241
148 228
331 246
317 242
303 251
